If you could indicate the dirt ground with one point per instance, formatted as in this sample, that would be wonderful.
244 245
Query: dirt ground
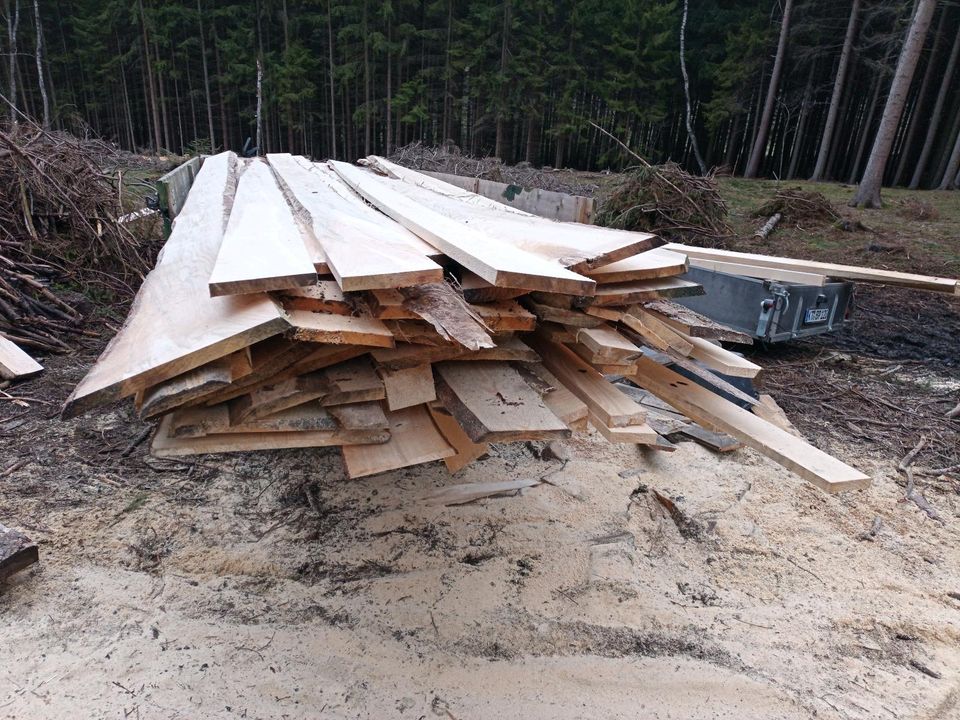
268 586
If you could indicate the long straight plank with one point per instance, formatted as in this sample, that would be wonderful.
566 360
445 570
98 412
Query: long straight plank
611 406
339 329
493 403
15 363
495 261
721 360
414 439
365 250
263 246
174 325
760 272
703 406
650 265
576 246
630 293
844 272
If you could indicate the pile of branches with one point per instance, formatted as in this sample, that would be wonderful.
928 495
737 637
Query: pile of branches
667 200
800 207
448 159
58 225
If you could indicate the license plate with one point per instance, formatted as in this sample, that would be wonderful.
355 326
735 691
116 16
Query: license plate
816 315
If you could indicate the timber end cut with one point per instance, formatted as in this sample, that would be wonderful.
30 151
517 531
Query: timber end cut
17 552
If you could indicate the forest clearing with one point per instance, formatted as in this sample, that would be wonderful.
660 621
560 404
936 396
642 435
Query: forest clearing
460 360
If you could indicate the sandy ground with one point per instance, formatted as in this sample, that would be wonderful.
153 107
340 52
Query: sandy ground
268 586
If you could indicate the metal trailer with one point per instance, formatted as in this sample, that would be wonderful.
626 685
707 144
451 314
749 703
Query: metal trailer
770 310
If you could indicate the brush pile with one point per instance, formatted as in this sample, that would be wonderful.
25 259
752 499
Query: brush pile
667 200
800 207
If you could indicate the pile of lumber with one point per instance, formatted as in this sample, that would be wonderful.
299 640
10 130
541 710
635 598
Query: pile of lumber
405 320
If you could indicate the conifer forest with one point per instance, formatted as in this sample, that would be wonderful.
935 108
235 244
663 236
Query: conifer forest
786 89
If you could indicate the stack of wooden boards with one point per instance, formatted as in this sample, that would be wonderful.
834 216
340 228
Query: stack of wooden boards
301 304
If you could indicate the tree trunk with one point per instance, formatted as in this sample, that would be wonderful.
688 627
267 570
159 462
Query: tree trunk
447 100
206 80
868 194
799 137
871 112
367 130
13 21
259 147
154 110
937 113
949 179
686 90
763 129
389 127
333 99
39 56
224 126
504 57
162 95
916 117
838 84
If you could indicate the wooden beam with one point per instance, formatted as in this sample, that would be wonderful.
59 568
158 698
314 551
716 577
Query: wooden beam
610 405
263 246
365 250
494 260
607 345
174 325
656 334
414 439
700 404
492 403
832 270
15 364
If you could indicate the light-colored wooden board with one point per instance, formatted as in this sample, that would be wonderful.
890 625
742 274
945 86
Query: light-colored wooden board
193 384
323 296
610 405
352 381
360 416
263 246
604 313
655 333
505 316
274 397
387 304
574 245
466 449
649 265
562 403
832 270
493 403
364 249
630 293
174 325
338 329
698 403
723 361
494 260
165 446
414 439
607 345
408 386
199 421
406 355
570 318
690 322
641 434
15 364
768 409
477 290
760 272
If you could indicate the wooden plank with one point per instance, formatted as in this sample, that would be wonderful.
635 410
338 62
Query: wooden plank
768 409
324 296
562 403
263 246
302 418
338 329
494 260
174 325
757 271
604 313
575 246
549 204
492 403
505 316
691 323
364 249
278 396
607 345
449 314
15 364
571 318
658 263
630 293
388 305
641 434
700 404
353 381
466 449
414 439
477 290
832 270
724 361
17 552
655 333
408 386
360 416
174 186
165 446
716 441
610 405
194 384
406 355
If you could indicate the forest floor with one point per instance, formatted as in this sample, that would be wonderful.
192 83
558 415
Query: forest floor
266 585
